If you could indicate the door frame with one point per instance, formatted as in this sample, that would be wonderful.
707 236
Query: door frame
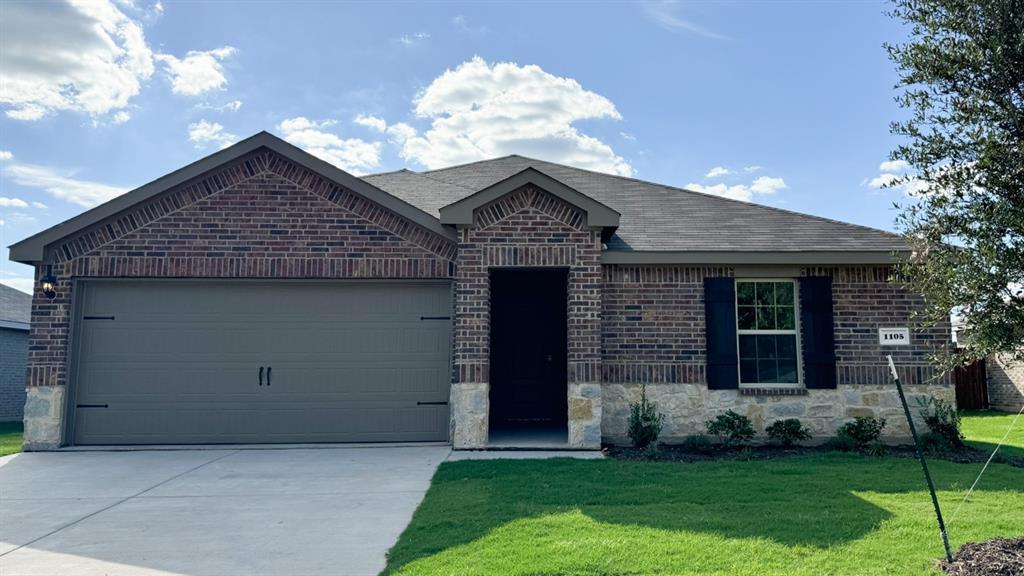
80 285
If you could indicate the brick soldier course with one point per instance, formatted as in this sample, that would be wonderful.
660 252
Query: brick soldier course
264 210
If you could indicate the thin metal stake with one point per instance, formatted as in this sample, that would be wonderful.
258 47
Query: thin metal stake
920 456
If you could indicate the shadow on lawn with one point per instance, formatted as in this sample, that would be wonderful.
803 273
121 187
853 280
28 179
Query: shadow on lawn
799 501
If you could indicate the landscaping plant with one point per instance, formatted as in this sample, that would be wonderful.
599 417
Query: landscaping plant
645 422
788 432
731 429
942 420
861 435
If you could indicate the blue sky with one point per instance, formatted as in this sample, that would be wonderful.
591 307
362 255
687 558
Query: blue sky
784 104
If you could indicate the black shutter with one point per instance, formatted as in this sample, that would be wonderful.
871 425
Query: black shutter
816 336
720 317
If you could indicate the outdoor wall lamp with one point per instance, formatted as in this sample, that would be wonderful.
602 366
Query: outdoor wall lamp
49 286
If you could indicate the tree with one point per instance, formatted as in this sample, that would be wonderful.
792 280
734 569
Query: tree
961 78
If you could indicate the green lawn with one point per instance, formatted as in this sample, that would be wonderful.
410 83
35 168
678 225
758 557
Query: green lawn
984 428
810 515
10 438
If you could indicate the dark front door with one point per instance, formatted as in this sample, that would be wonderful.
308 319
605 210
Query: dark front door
528 348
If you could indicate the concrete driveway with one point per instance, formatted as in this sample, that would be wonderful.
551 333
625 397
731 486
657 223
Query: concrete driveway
219 512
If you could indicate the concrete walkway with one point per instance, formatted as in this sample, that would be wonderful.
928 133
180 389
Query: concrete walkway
216 512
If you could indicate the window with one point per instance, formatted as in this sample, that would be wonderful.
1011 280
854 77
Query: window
766 318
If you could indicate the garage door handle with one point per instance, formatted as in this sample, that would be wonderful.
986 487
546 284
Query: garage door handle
261 375
269 368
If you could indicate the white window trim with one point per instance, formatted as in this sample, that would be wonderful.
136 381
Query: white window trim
795 332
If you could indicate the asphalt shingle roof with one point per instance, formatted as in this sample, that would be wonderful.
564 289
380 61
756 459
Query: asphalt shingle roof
655 217
15 305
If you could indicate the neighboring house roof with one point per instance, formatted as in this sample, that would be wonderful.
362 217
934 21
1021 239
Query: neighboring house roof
15 308
655 217
656 223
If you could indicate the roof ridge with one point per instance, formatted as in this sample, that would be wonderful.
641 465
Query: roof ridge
388 172
681 189
480 162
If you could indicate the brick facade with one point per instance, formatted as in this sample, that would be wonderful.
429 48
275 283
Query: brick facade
653 333
527 228
264 216
1005 382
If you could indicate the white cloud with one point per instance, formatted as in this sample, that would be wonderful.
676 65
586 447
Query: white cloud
205 132
716 172
894 176
665 14
481 110
62 186
6 155
350 154
198 72
460 23
22 283
754 168
371 122
88 56
6 202
39 205
767 185
413 39
894 166
627 136
763 186
83 55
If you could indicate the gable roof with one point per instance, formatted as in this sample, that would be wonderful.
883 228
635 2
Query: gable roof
461 211
656 223
32 249
15 308
656 217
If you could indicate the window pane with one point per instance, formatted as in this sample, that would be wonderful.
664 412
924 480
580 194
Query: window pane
748 346
784 293
748 371
747 318
745 293
767 372
765 317
786 346
765 293
786 318
787 370
766 347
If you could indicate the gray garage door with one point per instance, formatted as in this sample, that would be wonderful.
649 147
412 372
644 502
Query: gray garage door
179 362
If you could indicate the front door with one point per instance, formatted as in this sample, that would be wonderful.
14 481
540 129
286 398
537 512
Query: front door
528 348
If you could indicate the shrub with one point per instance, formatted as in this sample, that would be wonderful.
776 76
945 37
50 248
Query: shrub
943 421
862 434
732 429
788 432
698 443
645 423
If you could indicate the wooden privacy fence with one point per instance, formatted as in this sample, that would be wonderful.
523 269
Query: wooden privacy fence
971 386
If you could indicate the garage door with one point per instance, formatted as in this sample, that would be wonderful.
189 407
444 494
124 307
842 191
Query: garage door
181 362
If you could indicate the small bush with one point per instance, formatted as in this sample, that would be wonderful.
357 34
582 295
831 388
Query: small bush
788 432
943 421
876 448
863 433
698 443
645 422
732 429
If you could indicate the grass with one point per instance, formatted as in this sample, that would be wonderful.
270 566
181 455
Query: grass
983 429
10 438
817 514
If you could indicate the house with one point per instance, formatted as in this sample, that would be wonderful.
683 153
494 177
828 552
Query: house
1005 379
14 315
263 295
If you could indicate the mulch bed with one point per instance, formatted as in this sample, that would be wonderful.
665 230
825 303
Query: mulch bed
996 557
679 453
